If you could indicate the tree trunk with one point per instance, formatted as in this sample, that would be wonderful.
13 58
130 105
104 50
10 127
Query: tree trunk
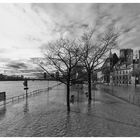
89 85
68 95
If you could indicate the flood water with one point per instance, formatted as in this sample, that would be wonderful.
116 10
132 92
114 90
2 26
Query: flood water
127 93
15 88
46 115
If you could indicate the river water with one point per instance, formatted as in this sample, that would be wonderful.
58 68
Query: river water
15 88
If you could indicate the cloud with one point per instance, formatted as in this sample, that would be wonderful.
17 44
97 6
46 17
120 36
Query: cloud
26 27
72 19
16 65
25 67
64 17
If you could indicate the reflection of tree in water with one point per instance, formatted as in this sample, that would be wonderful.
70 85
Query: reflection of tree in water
68 123
2 111
26 107
89 108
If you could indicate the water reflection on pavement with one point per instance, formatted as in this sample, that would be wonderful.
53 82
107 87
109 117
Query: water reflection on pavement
129 94
46 115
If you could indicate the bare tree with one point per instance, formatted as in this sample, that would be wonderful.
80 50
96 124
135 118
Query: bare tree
95 47
62 56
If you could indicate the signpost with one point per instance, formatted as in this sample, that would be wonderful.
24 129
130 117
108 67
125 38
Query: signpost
25 83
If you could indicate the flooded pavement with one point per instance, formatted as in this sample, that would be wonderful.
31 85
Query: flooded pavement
45 115
129 93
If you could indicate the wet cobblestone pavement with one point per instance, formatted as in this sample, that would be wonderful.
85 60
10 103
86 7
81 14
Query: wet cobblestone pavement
46 115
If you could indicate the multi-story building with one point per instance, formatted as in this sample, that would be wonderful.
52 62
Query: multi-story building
122 74
122 71
125 70
107 67
136 69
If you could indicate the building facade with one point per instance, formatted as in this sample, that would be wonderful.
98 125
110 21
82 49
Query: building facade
122 74
107 67
124 71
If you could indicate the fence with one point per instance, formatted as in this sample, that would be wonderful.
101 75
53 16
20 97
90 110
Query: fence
22 96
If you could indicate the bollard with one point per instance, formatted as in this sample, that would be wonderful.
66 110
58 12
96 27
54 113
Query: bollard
3 97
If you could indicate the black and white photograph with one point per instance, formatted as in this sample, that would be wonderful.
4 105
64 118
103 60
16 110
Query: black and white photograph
69 69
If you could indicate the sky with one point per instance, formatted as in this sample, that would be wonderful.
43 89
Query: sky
25 28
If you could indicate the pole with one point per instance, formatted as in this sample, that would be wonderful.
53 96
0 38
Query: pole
25 83
26 93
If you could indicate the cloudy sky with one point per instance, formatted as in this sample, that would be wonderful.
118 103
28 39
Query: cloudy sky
25 28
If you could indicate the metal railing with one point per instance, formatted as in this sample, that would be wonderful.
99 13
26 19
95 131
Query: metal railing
23 96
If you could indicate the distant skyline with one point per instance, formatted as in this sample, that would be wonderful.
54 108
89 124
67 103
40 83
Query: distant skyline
25 28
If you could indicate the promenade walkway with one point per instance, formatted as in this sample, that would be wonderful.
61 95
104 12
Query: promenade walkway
46 115
129 93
